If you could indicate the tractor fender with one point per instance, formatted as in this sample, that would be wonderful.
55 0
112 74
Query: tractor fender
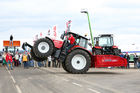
57 43
50 39
90 53
79 47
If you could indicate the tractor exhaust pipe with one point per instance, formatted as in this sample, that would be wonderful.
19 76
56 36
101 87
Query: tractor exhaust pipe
85 11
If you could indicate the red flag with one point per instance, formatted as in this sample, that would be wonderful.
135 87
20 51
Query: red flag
40 34
67 25
54 29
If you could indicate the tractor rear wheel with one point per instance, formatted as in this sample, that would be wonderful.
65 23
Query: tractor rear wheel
64 66
36 58
43 47
78 62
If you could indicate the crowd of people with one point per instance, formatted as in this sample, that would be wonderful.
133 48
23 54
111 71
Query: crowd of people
25 60
136 59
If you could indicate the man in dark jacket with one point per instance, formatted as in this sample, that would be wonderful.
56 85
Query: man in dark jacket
11 40
135 60
128 58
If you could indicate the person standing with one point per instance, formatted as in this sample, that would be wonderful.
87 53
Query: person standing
138 62
9 61
54 62
36 64
135 60
49 61
4 59
45 63
58 64
29 59
25 59
128 58
16 59
11 40
20 59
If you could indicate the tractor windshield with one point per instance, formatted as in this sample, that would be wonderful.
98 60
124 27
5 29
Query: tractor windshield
82 42
105 41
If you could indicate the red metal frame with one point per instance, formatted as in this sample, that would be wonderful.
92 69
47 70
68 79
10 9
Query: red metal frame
98 47
114 47
108 61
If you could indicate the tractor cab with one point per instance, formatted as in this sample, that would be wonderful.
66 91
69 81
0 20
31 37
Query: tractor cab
104 40
79 40
104 44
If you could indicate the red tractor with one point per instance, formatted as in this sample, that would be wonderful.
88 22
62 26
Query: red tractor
77 59
104 45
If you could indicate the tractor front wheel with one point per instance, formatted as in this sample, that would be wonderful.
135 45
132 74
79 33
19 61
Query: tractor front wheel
78 62
43 47
35 57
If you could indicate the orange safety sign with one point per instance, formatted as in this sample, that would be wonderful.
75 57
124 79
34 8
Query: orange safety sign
7 43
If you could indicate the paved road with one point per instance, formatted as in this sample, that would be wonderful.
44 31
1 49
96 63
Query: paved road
56 80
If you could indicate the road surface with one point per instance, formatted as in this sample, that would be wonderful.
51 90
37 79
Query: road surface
56 80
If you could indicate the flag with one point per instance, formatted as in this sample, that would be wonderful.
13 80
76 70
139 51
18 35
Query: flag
36 37
40 34
49 32
68 25
54 29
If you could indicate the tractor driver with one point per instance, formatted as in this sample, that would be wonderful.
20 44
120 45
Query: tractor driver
72 42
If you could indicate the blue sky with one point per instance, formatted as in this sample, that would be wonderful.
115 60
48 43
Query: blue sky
26 18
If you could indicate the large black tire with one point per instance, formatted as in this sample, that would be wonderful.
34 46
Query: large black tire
78 62
36 58
43 47
64 67
116 51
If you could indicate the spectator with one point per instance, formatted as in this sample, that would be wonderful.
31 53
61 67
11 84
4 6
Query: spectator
25 60
54 62
135 60
138 62
58 64
16 59
45 63
29 59
11 40
9 61
128 58
4 59
121 55
20 59
49 61
36 64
